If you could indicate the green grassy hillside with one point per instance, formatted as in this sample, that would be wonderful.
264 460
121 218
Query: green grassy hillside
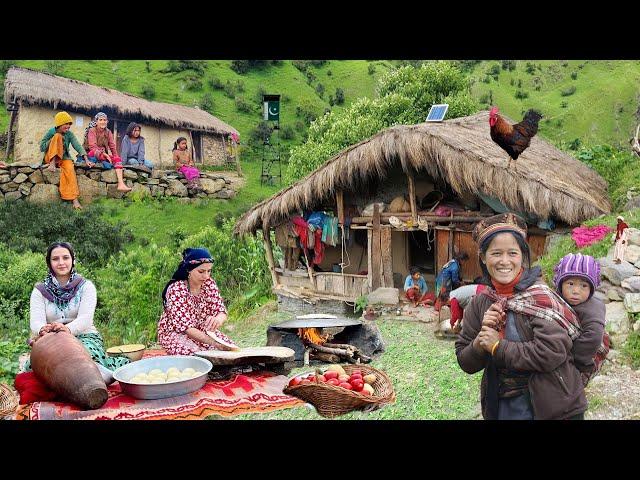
355 77
603 108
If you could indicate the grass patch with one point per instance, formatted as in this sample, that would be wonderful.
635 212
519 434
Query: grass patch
428 382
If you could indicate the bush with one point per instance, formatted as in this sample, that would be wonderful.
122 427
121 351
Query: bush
287 133
486 79
530 68
575 144
564 104
568 91
148 91
574 75
206 103
307 111
5 65
320 90
339 99
93 238
215 83
243 66
176 66
494 70
242 105
300 126
512 82
230 89
311 77
147 66
257 135
508 65
329 73
260 92
521 94
519 83
192 83
371 69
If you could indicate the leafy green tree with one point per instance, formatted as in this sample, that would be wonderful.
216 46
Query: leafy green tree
405 96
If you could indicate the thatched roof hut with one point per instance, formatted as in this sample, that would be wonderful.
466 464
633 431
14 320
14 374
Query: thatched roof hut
36 96
32 87
543 181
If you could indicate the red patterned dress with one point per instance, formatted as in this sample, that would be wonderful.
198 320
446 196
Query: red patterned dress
184 310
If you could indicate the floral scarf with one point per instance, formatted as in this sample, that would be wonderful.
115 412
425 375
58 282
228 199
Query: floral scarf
60 295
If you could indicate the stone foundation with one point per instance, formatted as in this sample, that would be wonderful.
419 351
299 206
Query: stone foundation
36 184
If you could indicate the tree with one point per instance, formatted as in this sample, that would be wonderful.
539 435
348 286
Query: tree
405 96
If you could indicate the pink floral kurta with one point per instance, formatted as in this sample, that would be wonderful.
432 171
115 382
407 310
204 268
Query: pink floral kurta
184 310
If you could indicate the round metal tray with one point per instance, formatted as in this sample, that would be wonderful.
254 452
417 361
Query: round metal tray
162 390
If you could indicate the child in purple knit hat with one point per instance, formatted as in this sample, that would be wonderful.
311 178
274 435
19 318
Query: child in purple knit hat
576 278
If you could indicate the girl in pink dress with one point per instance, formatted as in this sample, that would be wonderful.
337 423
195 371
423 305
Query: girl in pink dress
193 308
184 162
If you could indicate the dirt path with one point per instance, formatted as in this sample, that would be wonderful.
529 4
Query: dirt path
615 393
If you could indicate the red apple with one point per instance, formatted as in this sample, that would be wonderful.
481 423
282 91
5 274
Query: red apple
305 381
357 372
357 385
365 392
330 374
322 378
294 381
346 385
334 381
312 378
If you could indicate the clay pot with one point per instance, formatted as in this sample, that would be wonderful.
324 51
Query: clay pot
62 362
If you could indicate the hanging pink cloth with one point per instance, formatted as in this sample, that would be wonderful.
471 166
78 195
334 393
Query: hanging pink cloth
584 236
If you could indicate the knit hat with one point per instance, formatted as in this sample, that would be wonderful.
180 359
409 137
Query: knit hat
504 222
577 265
61 118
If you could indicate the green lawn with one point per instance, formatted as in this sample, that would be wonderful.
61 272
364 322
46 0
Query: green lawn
602 109
428 382
132 76
158 221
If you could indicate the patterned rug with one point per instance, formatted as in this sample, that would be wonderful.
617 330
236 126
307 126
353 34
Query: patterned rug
253 392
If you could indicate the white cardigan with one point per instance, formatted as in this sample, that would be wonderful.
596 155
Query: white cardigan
77 316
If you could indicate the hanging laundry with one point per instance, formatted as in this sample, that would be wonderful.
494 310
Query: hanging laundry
330 231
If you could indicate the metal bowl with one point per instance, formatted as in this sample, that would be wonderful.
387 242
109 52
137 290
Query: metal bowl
162 390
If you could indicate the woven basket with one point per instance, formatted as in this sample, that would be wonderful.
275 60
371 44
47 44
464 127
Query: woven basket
8 401
331 401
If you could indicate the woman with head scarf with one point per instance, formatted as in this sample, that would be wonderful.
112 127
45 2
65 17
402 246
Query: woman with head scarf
193 308
620 240
99 142
517 331
55 146
132 147
66 301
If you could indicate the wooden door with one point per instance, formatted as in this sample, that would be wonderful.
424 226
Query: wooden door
119 133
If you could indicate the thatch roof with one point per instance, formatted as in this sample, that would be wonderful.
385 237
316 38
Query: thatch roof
31 87
543 180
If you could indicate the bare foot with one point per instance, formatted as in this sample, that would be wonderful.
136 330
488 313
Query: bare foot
76 204
52 166
123 188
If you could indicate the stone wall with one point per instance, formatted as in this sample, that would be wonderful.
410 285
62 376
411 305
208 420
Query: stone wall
36 184
620 290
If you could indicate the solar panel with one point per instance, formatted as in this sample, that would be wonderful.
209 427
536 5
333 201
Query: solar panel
437 112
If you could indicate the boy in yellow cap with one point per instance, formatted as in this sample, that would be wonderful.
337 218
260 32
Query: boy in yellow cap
55 145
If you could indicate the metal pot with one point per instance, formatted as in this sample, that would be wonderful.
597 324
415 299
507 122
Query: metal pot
162 390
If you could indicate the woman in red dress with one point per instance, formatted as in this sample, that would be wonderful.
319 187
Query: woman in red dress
193 308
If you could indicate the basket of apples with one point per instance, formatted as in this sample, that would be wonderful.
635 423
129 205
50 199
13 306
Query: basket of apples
342 389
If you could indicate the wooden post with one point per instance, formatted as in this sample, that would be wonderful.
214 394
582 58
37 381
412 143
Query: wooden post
387 266
340 206
10 134
376 261
412 199
266 233
238 169
369 260
451 230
